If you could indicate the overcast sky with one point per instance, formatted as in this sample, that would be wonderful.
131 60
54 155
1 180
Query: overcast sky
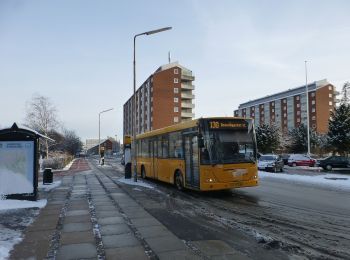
79 53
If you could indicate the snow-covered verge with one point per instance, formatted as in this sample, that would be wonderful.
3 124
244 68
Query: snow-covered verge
15 216
138 183
336 181
21 204
48 187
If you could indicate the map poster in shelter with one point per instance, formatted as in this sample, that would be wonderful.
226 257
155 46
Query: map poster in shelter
16 167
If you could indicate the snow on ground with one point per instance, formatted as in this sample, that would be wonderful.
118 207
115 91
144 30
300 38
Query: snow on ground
67 167
337 181
138 183
15 215
48 187
8 238
21 204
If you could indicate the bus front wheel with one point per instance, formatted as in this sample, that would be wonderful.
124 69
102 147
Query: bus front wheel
179 181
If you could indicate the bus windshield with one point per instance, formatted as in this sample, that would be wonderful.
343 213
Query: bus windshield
227 146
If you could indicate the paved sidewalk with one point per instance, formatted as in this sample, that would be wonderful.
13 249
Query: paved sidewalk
90 217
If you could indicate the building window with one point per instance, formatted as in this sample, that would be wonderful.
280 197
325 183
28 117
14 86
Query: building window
176 119
151 89
285 114
284 101
297 97
313 102
298 112
176 71
313 110
330 103
273 110
176 100
176 80
330 87
298 105
176 90
313 118
330 95
176 109
151 118
312 94
273 103
253 108
284 108
298 120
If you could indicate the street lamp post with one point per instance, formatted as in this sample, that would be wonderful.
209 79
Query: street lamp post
134 150
99 132
307 111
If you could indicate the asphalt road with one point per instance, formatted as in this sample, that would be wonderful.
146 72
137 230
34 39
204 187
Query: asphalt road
276 220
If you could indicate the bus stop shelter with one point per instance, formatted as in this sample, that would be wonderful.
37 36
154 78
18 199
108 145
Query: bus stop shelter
19 162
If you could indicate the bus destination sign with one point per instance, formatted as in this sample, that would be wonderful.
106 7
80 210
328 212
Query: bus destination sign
228 124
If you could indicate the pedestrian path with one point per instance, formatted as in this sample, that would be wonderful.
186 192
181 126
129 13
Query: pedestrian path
90 217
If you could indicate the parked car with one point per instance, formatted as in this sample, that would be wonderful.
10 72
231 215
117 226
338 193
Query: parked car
301 160
271 162
334 162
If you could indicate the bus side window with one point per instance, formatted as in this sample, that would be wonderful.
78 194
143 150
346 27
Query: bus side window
165 146
159 147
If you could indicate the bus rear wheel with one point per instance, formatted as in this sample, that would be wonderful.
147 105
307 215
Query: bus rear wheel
179 181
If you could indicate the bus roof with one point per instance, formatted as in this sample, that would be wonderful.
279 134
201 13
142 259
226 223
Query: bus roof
181 126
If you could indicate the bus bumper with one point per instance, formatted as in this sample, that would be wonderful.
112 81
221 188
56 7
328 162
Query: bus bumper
229 185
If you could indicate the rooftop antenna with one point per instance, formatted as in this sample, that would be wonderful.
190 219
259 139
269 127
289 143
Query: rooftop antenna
169 56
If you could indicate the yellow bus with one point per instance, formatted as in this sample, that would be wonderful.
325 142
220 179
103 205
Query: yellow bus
203 154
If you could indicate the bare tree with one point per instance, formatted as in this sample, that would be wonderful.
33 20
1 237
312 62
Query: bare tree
346 94
41 115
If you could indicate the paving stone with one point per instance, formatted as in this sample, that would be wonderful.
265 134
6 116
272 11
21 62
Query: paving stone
115 229
76 227
77 219
110 220
236 256
84 206
35 249
123 240
77 251
77 212
46 212
126 253
153 231
139 214
48 222
179 254
109 213
145 222
213 247
103 203
77 237
105 208
168 243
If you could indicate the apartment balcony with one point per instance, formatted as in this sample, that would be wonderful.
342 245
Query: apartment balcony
187 105
187 86
187 115
187 76
185 95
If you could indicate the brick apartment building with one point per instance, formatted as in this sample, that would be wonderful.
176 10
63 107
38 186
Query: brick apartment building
287 109
164 99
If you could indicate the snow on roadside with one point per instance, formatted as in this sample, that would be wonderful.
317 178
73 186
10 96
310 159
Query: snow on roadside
67 167
337 181
48 187
8 238
138 183
21 204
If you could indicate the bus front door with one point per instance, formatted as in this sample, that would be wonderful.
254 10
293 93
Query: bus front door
191 161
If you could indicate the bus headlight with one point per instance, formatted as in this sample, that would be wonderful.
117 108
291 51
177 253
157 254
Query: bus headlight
210 180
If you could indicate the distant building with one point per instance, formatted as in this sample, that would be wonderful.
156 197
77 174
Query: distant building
91 143
287 109
164 99
106 146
